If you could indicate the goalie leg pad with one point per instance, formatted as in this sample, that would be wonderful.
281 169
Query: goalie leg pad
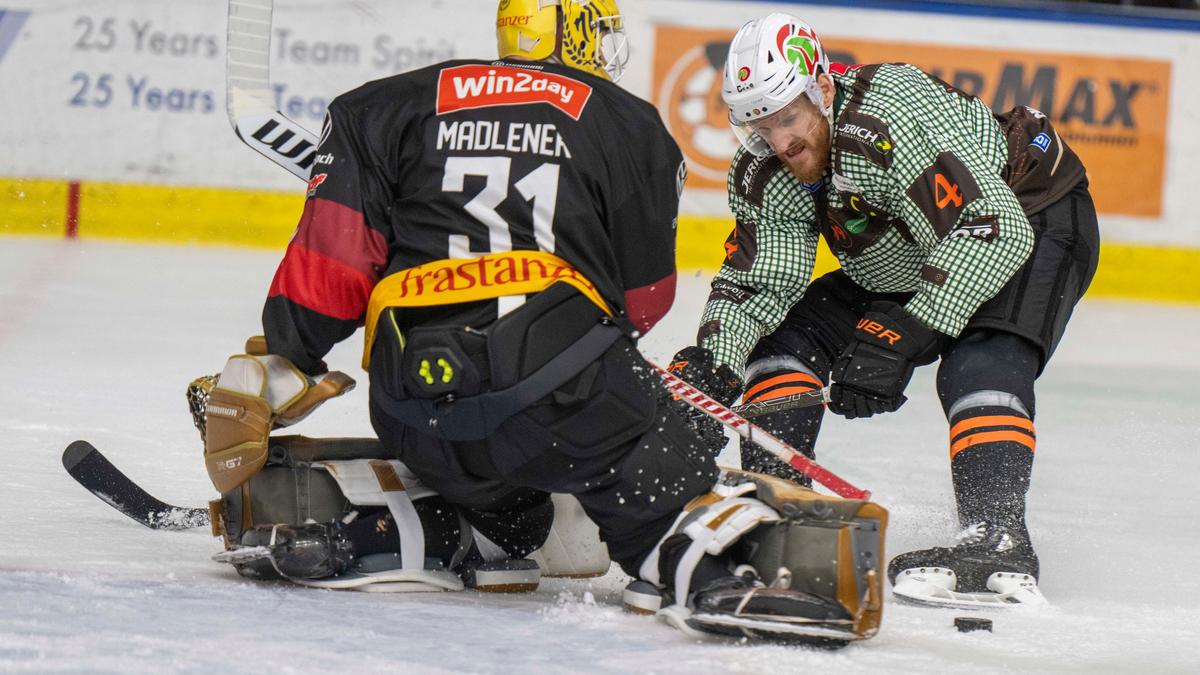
816 564
832 547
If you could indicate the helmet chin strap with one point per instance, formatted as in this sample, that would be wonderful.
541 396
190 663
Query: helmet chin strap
813 91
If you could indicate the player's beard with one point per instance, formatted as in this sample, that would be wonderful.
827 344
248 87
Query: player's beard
810 165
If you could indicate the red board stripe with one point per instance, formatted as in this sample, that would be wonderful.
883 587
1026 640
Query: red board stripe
72 209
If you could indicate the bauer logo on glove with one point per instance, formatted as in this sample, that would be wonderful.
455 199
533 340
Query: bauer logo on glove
871 375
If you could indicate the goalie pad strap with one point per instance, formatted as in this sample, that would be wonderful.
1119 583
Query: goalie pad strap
713 522
649 568
377 482
408 523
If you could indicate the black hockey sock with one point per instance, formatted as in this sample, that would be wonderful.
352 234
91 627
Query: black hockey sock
797 427
991 460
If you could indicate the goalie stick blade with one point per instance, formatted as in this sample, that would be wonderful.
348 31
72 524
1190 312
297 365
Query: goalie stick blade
97 475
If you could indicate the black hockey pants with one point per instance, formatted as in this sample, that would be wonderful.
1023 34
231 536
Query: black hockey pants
610 435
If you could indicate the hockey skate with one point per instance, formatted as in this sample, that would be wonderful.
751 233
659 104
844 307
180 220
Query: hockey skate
991 566
319 556
785 565
743 606
308 551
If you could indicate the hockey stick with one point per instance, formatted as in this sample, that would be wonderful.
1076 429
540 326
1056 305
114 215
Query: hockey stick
248 91
805 400
782 451
98 475
248 95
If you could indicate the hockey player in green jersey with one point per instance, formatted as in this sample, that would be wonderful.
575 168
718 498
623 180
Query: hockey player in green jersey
962 235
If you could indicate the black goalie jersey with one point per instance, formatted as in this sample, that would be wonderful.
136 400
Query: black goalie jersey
467 158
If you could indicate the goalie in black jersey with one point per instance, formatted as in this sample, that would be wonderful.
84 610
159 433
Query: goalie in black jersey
505 230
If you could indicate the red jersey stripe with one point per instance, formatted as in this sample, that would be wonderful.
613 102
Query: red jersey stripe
340 233
322 284
647 304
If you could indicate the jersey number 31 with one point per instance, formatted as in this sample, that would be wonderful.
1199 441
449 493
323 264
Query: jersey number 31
540 187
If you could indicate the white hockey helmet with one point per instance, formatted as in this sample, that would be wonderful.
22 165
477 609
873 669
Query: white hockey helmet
771 61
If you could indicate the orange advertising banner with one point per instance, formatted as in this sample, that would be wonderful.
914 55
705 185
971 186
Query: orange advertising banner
1111 110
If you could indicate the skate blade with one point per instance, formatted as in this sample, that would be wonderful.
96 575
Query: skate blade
242 554
389 581
725 627
778 627
935 586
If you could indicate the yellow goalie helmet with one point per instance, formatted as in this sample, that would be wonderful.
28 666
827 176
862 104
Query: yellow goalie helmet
584 34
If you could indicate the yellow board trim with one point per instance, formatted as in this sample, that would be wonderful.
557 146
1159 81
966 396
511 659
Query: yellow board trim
33 207
152 213
260 219
1126 272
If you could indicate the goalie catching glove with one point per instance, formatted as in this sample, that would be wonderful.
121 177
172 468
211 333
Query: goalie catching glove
255 393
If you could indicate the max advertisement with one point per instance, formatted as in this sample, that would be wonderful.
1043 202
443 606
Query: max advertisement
1111 110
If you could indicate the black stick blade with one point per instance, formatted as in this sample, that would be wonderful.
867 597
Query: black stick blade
97 475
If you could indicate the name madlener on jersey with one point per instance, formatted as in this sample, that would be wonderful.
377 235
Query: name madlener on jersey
537 139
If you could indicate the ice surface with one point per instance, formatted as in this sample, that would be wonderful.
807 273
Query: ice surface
99 341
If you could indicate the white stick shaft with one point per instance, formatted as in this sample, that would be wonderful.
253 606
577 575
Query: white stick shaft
782 451
250 100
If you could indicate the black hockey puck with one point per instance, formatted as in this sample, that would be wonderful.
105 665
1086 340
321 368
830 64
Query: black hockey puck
966 624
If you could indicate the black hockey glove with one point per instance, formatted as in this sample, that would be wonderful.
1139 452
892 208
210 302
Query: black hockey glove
695 366
870 376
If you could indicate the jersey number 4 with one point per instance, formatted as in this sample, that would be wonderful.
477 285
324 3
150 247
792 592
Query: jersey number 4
540 187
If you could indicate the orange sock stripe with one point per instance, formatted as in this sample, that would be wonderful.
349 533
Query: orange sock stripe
780 393
787 378
971 440
991 421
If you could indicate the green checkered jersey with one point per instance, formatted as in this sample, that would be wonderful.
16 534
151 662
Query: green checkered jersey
919 198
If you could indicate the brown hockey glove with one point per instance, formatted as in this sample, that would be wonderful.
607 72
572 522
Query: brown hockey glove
254 394
871 375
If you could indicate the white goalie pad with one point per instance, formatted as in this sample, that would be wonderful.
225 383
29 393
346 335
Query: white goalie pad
360 485
573 548
936 586
378 581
